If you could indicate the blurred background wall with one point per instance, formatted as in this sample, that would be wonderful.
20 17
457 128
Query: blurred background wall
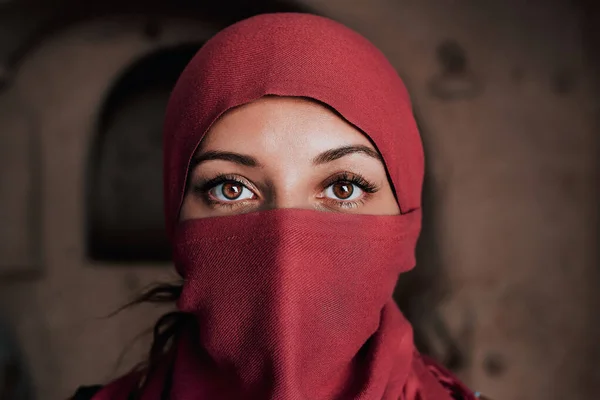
505 292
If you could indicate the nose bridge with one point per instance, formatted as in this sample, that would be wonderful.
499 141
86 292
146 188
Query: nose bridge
291 199
290 190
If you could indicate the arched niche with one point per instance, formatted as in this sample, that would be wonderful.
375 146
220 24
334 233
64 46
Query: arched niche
124 210
20 185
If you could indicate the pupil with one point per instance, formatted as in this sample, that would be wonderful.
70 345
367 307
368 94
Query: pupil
343 190
232 190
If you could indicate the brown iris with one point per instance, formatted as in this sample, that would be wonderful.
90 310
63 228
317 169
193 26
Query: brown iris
232 190
343 190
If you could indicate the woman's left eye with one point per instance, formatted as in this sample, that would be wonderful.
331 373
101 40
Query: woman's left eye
344 191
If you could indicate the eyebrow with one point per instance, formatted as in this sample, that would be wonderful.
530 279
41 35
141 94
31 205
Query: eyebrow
335 154
249 161
242 159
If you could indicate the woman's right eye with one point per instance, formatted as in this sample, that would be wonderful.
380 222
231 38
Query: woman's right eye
231 191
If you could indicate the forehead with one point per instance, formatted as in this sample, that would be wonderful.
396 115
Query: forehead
282 123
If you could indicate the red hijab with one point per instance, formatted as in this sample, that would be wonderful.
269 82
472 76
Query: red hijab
294 304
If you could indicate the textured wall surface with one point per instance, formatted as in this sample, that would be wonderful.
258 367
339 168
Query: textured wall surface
510 140
59 315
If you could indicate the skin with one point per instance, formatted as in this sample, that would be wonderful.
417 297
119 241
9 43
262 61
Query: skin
283 152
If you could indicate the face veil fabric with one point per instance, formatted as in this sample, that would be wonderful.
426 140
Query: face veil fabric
294 304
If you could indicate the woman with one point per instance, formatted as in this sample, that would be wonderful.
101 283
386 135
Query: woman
293 172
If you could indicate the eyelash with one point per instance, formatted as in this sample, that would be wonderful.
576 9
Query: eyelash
355 179
367 187
203 188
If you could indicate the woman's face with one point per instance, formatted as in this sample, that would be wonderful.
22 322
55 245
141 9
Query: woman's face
283 152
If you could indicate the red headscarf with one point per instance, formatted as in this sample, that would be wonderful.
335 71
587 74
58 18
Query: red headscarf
294 304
